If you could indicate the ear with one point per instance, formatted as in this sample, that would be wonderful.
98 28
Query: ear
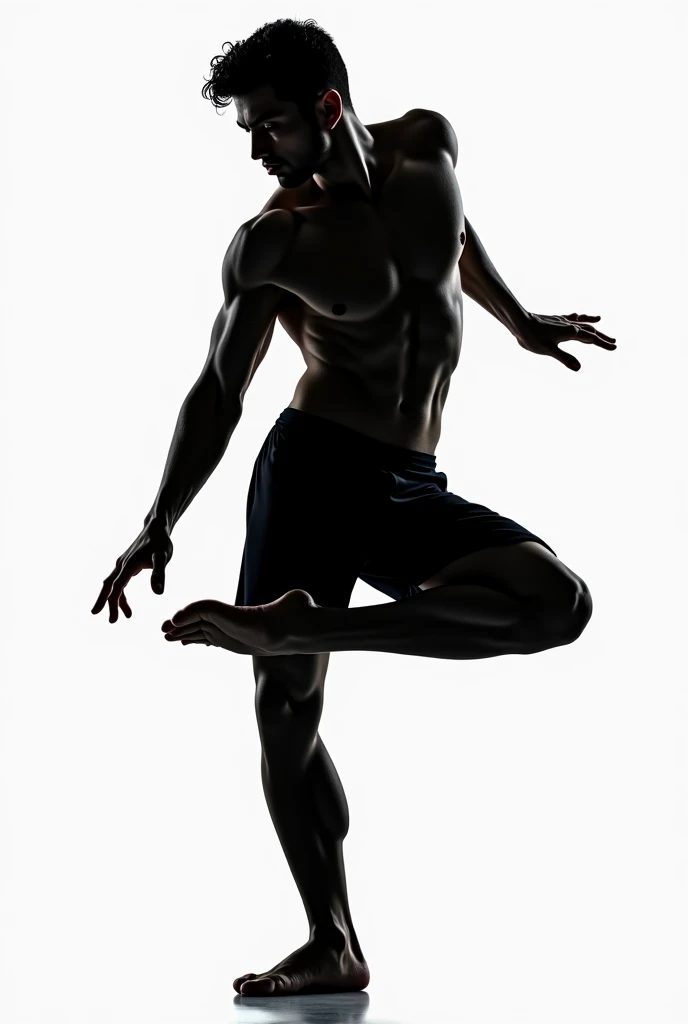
332 108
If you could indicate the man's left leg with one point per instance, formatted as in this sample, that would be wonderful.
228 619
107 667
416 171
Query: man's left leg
510 599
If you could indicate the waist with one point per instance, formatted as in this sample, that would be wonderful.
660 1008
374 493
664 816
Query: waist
334 435
379 415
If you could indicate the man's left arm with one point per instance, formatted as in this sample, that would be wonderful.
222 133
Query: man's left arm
481 282
536 332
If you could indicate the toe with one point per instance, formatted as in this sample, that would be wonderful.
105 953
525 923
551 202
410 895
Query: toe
259 987
237 983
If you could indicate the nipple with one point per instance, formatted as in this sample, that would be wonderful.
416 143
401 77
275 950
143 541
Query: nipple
462 237
339 309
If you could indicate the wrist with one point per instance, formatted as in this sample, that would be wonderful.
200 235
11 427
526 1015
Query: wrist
158 519
519 320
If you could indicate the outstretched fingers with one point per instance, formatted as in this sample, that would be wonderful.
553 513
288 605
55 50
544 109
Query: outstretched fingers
117 596
589 334
112 593
594 337
105 591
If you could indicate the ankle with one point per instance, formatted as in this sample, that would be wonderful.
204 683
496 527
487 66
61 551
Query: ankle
337 937
331 933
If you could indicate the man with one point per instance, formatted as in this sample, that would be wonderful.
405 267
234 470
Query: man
362 253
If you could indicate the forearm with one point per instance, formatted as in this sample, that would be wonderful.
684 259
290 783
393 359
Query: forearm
204 428
481 282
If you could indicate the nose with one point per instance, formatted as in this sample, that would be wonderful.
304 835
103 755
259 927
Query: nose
258 153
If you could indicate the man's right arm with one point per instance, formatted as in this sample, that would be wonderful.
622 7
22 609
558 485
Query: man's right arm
239 340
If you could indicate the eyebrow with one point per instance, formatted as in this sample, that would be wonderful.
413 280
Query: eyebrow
263 117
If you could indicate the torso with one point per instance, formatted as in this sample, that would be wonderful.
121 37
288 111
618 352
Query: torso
374 292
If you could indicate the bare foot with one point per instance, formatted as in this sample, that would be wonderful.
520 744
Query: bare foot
313 968
244 629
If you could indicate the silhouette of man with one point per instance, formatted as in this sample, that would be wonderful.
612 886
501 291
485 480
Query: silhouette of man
362 253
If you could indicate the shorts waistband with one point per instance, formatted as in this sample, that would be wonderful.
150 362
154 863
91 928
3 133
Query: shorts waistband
321 428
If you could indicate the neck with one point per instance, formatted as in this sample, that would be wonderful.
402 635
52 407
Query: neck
349 164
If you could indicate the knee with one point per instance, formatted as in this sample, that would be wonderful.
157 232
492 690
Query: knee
562 615
272 701
284 681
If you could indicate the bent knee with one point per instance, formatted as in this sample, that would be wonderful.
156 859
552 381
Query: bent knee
285 679
562 615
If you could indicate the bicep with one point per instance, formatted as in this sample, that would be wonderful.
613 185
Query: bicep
246 320
241 337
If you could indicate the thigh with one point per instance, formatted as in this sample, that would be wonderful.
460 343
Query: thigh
426 528
525 569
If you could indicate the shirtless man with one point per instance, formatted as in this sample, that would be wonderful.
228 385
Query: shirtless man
362 254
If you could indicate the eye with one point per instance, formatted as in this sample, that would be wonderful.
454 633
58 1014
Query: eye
268 126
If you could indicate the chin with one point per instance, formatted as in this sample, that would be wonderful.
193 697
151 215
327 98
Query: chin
293 178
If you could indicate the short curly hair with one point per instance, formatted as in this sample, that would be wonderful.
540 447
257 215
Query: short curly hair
297 58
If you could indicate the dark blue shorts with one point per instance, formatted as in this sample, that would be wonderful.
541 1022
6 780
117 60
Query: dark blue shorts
328 505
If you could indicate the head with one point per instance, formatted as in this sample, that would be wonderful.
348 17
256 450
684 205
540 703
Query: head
290 88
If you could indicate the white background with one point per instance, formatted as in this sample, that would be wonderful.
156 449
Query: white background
518 847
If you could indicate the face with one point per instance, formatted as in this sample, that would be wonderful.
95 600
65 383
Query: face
281 135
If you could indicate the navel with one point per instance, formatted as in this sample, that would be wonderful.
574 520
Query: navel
462 237
339 309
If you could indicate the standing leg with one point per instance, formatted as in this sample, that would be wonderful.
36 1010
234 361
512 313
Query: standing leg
308 808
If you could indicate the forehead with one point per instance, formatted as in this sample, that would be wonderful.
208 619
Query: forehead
258 103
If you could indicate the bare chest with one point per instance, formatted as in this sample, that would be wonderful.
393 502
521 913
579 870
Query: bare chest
362 267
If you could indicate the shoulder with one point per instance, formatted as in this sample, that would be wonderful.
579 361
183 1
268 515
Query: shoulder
430 128
258 247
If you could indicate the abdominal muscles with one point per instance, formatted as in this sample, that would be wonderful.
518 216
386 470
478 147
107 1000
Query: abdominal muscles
387 377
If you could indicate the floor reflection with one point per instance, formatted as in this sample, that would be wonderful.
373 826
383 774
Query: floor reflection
338 1008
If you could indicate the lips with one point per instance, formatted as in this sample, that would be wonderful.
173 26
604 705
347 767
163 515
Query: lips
271 168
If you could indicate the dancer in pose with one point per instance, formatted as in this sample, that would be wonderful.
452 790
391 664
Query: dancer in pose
363 254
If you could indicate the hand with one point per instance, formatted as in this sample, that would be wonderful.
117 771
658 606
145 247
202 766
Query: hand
542 334
151 549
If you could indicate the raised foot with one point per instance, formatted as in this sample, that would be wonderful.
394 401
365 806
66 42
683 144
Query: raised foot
245 629
314 968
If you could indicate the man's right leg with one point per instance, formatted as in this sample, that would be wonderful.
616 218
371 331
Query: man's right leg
309 810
